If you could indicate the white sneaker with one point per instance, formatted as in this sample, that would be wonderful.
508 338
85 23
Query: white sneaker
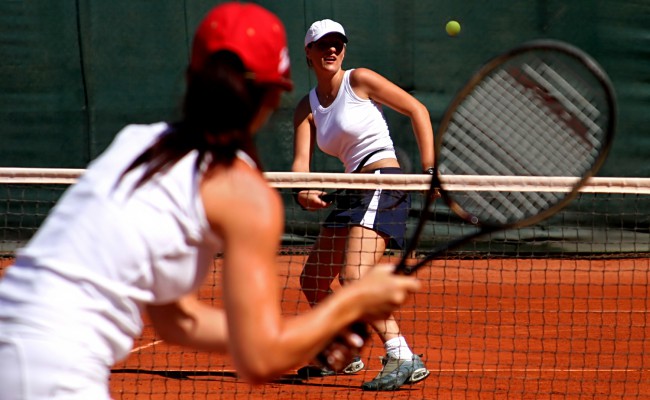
396 373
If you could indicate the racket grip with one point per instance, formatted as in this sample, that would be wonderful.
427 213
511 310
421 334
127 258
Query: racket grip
328 198
360 328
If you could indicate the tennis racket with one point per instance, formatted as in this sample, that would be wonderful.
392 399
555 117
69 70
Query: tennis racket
545 109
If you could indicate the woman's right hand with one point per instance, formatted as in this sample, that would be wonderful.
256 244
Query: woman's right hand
377 294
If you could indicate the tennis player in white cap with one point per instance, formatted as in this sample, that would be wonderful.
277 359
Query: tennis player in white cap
343 116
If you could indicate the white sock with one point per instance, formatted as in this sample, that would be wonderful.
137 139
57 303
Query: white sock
399 348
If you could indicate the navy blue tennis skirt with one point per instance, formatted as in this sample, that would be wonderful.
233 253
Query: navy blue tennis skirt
383 211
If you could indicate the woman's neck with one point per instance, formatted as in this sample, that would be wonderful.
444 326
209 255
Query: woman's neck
328 88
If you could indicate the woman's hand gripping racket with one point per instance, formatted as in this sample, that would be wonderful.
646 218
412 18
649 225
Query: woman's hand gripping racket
542 109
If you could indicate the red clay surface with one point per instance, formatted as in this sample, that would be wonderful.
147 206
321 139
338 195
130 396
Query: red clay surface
487 329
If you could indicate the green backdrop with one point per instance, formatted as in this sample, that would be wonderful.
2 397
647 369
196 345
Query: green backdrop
72 73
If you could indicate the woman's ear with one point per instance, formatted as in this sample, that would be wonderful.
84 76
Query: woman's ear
309 64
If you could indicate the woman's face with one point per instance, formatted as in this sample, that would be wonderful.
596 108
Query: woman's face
327 52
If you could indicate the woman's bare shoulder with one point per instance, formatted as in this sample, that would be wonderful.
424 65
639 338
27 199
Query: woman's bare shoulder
240 193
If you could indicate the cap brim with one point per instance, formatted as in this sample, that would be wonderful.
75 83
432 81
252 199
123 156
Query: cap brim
345 38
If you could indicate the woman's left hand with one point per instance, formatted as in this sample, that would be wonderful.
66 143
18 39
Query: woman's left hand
312 199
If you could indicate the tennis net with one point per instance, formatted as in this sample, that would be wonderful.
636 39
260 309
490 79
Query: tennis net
558 310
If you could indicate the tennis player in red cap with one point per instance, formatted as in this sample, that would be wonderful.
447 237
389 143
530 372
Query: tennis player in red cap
139 231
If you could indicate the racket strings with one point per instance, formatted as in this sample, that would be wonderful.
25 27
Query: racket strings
517 125
495 146
504 207
570 97
583 133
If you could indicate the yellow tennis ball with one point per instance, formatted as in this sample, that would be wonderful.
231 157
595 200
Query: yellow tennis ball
452 28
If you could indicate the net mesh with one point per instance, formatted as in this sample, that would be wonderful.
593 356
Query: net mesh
556 310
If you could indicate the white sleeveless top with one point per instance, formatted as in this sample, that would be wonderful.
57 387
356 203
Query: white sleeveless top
351 127
105 251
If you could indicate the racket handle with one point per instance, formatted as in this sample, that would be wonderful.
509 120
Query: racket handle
360 328
328 198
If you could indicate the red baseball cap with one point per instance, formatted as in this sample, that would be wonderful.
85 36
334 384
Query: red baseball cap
252 32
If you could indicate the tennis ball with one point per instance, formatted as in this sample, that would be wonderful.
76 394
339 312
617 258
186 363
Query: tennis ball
452 28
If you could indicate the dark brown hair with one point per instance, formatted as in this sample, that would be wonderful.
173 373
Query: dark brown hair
219 104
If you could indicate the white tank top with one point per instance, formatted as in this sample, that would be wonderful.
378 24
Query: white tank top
351 127
105 251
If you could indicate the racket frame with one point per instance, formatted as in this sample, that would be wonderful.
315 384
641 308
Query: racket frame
436 182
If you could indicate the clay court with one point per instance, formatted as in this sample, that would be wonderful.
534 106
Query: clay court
488 329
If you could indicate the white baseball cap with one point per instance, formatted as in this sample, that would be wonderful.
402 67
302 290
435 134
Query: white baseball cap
321 28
